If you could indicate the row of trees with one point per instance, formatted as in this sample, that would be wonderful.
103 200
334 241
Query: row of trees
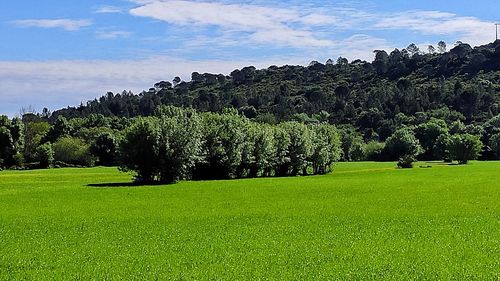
182 144
430 140
97 140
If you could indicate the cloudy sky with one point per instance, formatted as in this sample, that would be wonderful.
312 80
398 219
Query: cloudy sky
60 53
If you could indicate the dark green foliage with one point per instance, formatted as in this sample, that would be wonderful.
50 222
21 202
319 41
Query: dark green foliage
373 151
352 145
181 144
434 94
44 155
60 129
463 82
428 134
326 148
495 144
402 143
105 149
139 149
442 148
464 147
7 147
73 151
406 162
11 142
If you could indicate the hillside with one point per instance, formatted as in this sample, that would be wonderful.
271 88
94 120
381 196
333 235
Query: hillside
461 84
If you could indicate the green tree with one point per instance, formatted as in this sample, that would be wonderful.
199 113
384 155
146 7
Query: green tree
179 144
264 150
495 144
72 151
352 145
224 139
34 132
282 161
428 133
60 129
402 143
44 155
325 148
300 148
465 147
442 148
139 149
7 147
105 149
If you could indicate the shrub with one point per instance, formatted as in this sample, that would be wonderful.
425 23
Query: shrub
300 147
326 148
464 147
373 150
402 143
442 148
44 154
72 151
495 144
352 145
180 144
428 134
406 162
139 149
104 148
224 138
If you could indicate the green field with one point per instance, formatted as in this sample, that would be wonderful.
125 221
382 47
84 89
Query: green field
365 221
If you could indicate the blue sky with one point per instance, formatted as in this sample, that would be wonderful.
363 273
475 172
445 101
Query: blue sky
60 53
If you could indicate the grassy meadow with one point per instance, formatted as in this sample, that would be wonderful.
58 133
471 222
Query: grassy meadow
364 221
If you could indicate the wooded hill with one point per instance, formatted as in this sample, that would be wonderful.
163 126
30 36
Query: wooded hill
461 84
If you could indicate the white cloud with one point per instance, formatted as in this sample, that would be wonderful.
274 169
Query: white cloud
66 24
305 26
264 24
467 29
108 10
113 34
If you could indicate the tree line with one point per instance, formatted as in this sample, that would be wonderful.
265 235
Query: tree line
205 145
181 144
406 106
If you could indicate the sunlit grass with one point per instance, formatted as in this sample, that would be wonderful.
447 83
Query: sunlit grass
367 220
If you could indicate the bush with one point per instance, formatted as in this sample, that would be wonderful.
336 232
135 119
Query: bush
465 147
104 148
326 148
224 137
442 148
352 145
162 149
373 150
406 162
139 149
300 148
402 143
428 134
495 144
44 155
72 151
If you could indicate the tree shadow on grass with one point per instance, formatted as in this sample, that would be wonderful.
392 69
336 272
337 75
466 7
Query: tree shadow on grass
120 185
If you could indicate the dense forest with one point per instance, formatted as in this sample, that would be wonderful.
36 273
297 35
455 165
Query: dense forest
436 104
